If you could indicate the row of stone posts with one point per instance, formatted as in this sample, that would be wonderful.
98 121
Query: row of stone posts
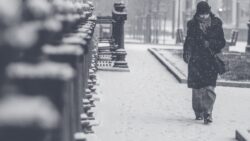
48 57
112 56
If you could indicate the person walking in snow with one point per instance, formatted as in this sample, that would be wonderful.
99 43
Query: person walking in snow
204 34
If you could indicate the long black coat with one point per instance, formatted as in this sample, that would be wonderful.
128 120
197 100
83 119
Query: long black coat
201 65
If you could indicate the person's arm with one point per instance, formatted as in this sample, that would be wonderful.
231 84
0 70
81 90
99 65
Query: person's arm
217 43
189 41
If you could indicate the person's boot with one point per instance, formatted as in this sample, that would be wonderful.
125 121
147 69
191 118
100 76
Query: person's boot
208 118
198 116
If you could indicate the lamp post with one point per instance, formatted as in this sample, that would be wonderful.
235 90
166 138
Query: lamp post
148 21
173 19
179 31
179 12
248 39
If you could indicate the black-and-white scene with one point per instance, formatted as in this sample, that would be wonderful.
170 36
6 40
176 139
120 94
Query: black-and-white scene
124 70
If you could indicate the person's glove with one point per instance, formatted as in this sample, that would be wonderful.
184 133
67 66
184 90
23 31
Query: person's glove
186 57
206 44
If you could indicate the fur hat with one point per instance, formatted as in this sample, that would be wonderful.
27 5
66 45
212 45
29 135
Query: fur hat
203 8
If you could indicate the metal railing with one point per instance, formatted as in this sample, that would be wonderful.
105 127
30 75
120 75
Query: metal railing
47 62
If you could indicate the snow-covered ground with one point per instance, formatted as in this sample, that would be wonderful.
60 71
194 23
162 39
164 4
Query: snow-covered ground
161 39
148 104
239 47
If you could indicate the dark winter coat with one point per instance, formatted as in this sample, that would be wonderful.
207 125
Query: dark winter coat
201 64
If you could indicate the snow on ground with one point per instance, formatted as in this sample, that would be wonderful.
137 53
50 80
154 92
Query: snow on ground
161 39
148 104
239 47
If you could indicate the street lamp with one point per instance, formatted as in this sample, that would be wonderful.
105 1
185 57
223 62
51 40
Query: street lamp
248 38
178 39
179 12
173 19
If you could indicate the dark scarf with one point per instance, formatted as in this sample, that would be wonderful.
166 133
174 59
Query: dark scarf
204 23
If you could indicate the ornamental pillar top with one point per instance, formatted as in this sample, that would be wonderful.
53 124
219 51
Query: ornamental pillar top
119 11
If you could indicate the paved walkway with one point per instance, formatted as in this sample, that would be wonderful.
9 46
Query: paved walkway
148 104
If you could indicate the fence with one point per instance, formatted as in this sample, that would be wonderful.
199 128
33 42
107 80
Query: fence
47 70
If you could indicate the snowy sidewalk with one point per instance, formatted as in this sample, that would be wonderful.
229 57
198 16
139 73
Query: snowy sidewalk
148 104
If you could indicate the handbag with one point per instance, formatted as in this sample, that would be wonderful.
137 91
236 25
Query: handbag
219 64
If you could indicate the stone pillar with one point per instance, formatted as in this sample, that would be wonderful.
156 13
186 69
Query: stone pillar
119 16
